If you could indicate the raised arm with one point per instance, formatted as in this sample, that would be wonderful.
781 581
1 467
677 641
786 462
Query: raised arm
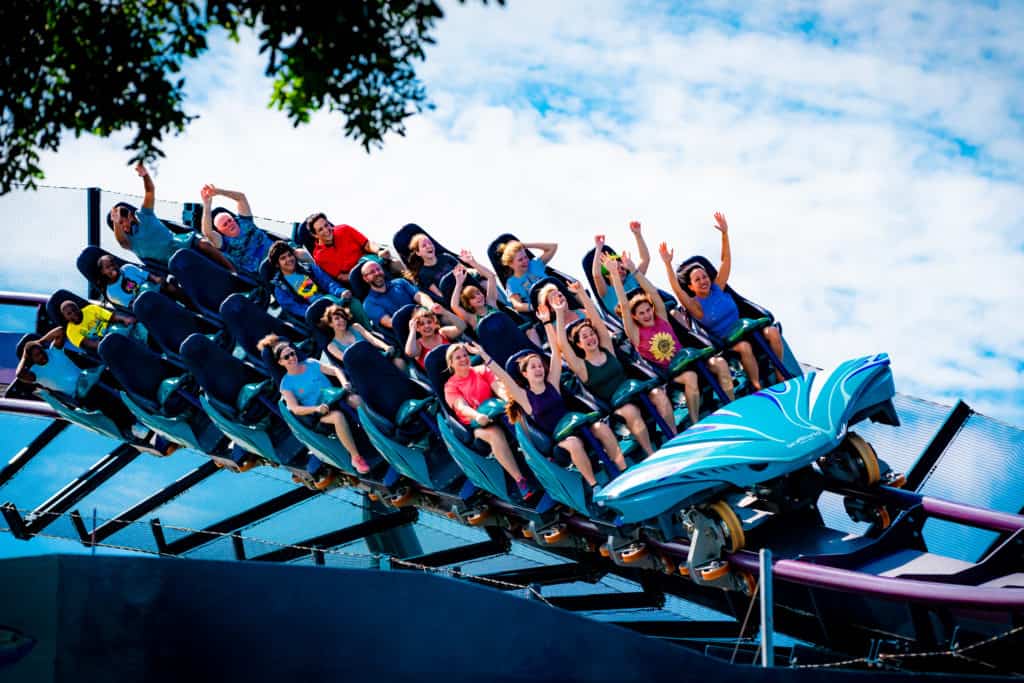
149 190
241 201
726 266
691 305
412 342
207 222
491 295
600 286
574 362
512 388
555 366
649 289
456 302
632 333
455 325
590 308
548 249
641 247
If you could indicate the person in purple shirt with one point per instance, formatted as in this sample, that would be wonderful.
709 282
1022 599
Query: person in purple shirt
536 392
713 307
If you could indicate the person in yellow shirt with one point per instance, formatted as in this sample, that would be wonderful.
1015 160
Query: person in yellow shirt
87 325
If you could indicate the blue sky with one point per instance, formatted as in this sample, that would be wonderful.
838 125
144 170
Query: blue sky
869 157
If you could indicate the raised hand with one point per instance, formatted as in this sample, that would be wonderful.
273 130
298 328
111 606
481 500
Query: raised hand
141 170
467 256
666 254
544 315
474 349
634 227
575 287
720 223
599 241
207 193
609 263
627 262
460 273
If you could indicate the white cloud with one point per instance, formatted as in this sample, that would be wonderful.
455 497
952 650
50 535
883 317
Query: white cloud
855 218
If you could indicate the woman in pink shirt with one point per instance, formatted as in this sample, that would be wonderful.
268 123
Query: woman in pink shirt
465 390
645 320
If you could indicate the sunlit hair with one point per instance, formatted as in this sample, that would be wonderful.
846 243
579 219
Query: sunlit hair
638 299
451 351
574 335
414 262
330 312
542 297
467 295
508 250
421 312
685 273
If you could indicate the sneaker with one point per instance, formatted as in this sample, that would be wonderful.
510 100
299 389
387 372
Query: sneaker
525 490
359 462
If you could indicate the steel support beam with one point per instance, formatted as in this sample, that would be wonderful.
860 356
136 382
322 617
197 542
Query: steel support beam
25 455
144 507
394 520
496 545
236 522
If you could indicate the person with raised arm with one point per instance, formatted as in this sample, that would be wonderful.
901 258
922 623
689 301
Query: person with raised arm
645 320
465 390
468 302
237 236
712 306
537 393
599 271
426 333
140 231
589 352
524 270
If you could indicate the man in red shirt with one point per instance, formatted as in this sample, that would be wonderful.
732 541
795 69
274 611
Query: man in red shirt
339 247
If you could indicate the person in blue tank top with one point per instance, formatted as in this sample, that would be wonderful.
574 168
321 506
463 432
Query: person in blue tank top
301 386
713 306
536 392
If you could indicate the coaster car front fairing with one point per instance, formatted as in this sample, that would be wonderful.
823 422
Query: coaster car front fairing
753 449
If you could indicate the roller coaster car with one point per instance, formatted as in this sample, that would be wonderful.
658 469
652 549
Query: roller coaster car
52 308
757 445
319 438
471 454
238 400
170 324
204 282
247 322
753 319
160 395
397 415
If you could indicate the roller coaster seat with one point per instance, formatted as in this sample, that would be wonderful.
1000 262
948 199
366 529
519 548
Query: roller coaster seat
169 324
247 322
501 337
403 236
204 282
